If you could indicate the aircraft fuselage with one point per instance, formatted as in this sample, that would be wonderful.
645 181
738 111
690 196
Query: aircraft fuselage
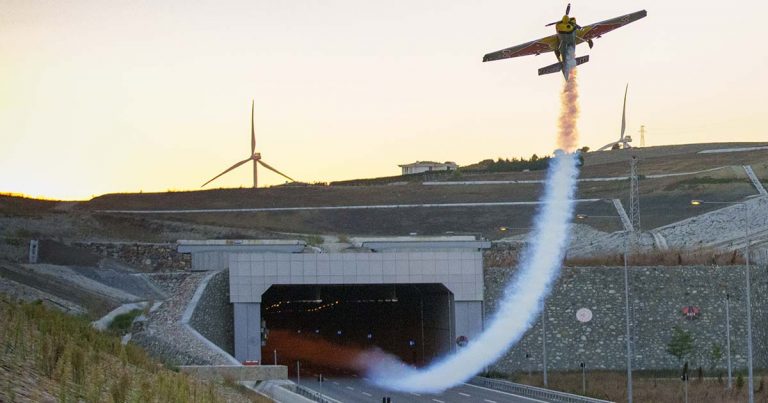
566 52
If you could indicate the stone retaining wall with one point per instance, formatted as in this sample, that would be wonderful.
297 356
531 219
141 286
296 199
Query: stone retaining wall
148 256
657 296
214 315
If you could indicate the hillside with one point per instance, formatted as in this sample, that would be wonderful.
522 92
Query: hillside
670 177
46 355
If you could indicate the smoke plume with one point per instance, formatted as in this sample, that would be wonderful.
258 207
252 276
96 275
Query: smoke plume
524 296
569 114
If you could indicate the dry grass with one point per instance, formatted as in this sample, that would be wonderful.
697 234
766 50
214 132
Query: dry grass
46 355
676 257
648 388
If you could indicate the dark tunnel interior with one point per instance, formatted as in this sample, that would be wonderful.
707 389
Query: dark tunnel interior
412 321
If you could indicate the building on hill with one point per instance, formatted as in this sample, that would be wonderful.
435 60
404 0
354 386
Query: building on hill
427 166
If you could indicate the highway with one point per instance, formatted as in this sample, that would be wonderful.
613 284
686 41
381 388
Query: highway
353 389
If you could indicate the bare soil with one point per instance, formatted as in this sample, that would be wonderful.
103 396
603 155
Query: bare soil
662 201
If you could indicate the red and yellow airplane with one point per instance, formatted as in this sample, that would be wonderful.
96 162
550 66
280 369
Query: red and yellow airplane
563 43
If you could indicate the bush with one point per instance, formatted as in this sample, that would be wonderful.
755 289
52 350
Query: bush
122 323
314 240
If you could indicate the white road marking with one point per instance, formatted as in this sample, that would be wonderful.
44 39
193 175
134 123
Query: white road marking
465 394
415 394
438 401
367 394
506 393
335 383
350 388
489 401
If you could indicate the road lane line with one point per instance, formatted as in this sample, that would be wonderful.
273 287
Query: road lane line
415 394
438 401
367 394
489 401
335 383
350 388
465 394
507 393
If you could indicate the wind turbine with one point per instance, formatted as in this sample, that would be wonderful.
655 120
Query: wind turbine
623 140
255 157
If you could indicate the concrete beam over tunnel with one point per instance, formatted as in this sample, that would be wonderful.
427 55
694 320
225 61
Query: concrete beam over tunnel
458 269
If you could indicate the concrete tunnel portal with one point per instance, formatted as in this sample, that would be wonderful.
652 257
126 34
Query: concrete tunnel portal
414 297
411 321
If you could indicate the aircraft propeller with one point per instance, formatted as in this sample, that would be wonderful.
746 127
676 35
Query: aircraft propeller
567 12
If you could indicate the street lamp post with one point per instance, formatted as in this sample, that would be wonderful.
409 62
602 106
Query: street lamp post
626 310
728 336
748 291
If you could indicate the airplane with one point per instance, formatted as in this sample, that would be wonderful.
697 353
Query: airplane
563 43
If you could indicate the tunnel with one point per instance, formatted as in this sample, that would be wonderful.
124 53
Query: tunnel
328 325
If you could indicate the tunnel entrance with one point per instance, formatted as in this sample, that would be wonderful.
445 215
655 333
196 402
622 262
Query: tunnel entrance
330 325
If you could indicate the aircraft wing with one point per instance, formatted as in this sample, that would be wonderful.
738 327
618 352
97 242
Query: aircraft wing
598 29
536 47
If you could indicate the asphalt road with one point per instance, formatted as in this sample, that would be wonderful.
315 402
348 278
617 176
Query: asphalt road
354 389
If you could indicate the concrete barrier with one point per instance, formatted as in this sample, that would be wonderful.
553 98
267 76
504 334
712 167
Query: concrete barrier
281 391
237 373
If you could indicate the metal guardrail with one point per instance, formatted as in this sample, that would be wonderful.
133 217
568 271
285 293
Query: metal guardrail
532 391
312 395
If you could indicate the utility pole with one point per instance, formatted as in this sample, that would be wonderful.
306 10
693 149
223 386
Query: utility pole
728 336
544 341
634 196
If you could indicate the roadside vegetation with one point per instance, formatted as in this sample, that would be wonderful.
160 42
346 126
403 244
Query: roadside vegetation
122 322
673 257
47 355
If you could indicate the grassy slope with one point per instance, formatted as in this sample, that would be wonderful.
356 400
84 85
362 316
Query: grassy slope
46 355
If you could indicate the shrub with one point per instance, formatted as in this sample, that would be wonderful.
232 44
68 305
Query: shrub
314 240
122 323
681 343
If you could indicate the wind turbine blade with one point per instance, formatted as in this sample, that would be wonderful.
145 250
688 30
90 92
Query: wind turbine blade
624 113
253 133
229 169
275 170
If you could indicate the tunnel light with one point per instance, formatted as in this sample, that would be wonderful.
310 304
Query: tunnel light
695 202
370 336
338 332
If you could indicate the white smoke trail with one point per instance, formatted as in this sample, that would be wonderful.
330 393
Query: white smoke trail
522 300
523 297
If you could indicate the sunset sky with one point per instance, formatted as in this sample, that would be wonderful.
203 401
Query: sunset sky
126 96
